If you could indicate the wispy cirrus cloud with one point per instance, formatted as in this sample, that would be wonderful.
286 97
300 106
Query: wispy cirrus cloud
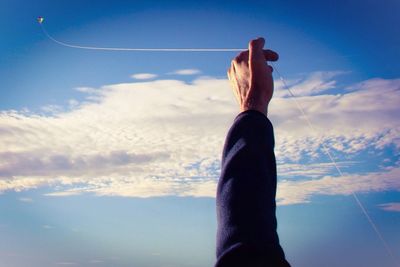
309 171
294 192
312 84
393 206
164 137
348 123
143 76
186 72
85 89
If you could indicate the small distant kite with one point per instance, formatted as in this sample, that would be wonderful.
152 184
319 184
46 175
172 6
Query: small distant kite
40 20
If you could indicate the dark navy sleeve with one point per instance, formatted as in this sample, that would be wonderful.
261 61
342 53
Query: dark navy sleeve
246 234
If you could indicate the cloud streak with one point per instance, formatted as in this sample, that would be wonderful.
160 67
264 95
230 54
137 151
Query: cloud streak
164 137
294 192
143 76
393 206
186 72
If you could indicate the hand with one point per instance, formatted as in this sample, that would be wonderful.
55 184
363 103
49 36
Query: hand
251 77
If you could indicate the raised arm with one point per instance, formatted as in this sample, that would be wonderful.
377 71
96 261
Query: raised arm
246 234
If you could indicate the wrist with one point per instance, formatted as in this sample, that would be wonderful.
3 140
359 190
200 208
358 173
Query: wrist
260 108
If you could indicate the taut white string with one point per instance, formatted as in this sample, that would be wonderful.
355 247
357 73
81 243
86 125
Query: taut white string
294 97
140 49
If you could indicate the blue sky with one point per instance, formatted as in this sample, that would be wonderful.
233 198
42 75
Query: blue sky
111 158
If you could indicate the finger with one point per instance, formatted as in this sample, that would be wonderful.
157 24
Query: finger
270 55
256 44
242 56
228 72
231 77
231 69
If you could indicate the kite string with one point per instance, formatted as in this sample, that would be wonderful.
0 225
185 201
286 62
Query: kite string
294 97
330 156
140 49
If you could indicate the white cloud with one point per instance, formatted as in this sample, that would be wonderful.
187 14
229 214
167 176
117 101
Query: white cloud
165 137
312 84
186 72
87 90
393 206
119 144
73 103
348 123
52 108
143 76
71 192
293 192
292 171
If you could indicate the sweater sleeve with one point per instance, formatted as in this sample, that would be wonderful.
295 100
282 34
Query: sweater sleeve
246 192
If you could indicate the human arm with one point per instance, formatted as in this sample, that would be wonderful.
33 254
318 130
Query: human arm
246 234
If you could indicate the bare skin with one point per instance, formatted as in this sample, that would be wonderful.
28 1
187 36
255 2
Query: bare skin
251 77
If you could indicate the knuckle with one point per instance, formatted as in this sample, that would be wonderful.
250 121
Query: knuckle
253 43
241 56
